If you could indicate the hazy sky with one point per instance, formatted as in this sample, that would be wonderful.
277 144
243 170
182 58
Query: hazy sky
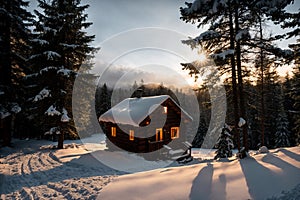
118 26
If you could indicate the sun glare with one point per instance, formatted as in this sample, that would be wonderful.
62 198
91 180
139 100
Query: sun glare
202 57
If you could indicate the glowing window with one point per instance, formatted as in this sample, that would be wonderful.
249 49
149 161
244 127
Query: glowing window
174 132
131 135
113 131
159 134
165 109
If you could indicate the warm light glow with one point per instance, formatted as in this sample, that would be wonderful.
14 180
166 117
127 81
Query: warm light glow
174 132
131 135
113 131
165 109
159 134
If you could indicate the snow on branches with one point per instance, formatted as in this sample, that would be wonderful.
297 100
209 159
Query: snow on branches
51 55
223 55
43 94
53 130
52 111
65 117
205 36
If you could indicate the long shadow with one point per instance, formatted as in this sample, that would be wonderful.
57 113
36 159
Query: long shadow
68 170
269 181
220 188
260 180
290 172
291 154
201 187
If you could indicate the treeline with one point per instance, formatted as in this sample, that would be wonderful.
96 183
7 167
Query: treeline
281 114
281 111
40 56
239 42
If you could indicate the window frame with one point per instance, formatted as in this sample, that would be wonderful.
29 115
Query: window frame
173 136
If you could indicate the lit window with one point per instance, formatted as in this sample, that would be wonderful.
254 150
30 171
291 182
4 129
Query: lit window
165 109
113 131
159 134
174 132
131 135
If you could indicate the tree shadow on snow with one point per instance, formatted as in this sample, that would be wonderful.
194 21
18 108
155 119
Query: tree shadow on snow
290 173
219 188
291 154
261 181
201 187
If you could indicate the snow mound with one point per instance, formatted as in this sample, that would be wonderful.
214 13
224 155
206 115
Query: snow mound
263 149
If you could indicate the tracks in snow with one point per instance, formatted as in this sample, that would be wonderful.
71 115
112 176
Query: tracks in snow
41 175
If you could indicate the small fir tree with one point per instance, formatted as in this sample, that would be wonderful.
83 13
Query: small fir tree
224 144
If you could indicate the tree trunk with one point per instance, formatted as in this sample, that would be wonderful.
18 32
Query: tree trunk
262 100
234 84
6 131
60 144
240 83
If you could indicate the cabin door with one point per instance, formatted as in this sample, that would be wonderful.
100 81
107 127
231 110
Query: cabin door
159 134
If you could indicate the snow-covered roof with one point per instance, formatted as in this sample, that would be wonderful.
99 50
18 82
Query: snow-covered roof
132 111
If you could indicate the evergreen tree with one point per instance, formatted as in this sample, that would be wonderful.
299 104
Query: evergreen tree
222 41
102 100
224 144
296 107
272 89
282 134
14 35
60 48
201 132
295 92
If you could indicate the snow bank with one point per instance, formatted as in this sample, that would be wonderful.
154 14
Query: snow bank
259 177
33 171
263 149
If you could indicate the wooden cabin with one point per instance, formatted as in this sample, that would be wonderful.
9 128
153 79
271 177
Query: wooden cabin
145 124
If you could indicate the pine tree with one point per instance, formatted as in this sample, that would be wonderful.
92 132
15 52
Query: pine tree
60 48
201 132
282 134
103 100
224 144
295 94
14 35
229 26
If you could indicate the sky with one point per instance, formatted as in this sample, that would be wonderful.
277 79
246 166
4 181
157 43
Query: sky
123 31
121 19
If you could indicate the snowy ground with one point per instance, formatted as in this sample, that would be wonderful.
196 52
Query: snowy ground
33 170
260 176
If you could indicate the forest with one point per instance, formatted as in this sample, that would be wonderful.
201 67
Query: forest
41 53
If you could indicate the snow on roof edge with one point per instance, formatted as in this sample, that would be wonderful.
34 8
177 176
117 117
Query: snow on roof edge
121 114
